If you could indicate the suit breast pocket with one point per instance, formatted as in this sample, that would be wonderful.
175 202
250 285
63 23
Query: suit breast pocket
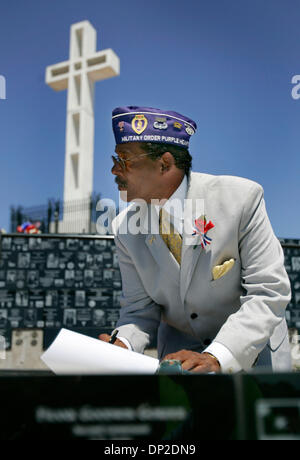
231 279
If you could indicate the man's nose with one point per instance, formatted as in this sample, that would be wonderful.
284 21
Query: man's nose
117 168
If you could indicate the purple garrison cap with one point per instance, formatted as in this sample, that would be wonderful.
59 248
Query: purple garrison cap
145 124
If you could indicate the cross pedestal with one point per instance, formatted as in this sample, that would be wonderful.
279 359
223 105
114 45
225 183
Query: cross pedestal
78 75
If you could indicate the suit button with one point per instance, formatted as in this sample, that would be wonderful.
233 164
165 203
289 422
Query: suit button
194 315
207 342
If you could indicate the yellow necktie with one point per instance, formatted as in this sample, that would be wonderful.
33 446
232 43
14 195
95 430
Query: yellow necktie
172 238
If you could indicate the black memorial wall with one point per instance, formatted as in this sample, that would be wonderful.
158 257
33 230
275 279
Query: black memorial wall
52 281
49 282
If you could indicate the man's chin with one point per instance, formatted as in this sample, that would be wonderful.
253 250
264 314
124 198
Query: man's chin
127 197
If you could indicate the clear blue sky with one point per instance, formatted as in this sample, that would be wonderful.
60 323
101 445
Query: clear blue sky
227 64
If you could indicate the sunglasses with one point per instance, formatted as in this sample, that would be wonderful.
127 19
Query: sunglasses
122 162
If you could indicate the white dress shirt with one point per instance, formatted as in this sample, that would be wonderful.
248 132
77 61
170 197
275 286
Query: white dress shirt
228 363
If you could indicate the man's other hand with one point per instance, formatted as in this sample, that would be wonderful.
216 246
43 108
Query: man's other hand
195 362
106 338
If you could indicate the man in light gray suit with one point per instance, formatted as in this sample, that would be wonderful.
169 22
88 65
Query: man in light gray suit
213 288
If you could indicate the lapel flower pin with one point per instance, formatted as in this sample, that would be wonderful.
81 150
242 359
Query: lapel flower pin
201 228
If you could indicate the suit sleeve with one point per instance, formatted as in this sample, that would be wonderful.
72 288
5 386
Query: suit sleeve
139 315
265 283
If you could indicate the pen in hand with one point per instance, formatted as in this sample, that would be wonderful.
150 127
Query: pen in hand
113 338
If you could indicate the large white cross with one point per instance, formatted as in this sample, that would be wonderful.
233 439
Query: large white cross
79 74
2 87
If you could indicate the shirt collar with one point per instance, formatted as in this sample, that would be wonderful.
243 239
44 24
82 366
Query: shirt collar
175 205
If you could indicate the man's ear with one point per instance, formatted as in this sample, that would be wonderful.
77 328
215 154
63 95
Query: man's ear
167 160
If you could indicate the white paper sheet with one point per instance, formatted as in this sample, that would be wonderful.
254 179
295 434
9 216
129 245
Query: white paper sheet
73 353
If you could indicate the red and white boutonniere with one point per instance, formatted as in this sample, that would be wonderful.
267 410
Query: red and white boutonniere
201 228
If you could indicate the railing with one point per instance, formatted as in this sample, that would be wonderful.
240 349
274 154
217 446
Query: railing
73 217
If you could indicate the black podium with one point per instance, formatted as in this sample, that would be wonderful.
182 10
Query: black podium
170 408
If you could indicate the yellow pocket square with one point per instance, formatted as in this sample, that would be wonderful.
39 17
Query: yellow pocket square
220 270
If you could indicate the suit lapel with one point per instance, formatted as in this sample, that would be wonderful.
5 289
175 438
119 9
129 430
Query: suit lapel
163 256
191 248
156 245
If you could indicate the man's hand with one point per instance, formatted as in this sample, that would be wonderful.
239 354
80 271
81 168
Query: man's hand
195 362
106 338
